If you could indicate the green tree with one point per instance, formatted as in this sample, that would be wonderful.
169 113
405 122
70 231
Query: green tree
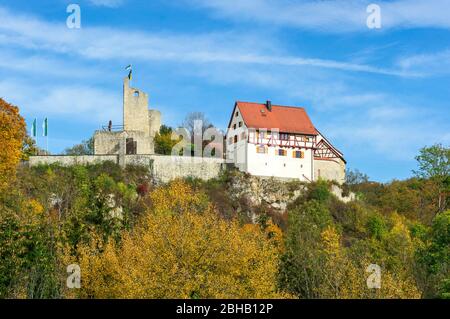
319 191
353 177
434 164
29 148
86 147
301 262
164 142
434 257
28 263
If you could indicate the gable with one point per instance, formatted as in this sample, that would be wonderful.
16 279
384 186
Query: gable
325 151
235 119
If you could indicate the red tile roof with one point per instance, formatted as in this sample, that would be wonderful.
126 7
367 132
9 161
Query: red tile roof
287 119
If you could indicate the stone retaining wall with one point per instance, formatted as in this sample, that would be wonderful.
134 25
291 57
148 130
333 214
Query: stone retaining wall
162 168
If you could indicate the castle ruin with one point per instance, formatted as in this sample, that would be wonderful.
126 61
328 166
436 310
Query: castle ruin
140 125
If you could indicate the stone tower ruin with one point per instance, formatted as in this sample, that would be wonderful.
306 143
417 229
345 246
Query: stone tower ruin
140 125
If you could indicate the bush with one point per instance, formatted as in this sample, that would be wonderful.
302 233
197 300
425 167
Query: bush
376 226
319 191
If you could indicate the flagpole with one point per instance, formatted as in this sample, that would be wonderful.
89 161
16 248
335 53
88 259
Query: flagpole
35 132
45 133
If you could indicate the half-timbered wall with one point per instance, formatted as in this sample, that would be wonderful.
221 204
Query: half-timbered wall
268 152
328 162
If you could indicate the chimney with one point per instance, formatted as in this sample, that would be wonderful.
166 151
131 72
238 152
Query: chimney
269 105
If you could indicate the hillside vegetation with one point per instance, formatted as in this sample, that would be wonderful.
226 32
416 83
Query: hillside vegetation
189 238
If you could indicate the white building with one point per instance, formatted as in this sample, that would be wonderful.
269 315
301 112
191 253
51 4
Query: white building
280 141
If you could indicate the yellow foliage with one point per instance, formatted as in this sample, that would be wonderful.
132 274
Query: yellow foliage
274 233
35 207
176 197
345 277
12 132
341 277
331 242
183 255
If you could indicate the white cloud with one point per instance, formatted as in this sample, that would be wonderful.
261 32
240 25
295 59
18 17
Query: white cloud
332 15
63 101
358 121
106 43
107 3
437 63
42 66
393 132
375 120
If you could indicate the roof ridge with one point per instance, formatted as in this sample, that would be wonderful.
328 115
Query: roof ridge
276 105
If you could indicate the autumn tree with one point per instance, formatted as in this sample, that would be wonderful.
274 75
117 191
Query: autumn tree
181 251
12 133
393 250
317 264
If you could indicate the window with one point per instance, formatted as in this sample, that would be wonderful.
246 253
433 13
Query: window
284 136
260 135
240 124
136 93
261 149
235 138
234 126
281 152
298 154
237 114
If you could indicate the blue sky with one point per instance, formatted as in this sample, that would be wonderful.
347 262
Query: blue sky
378 94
